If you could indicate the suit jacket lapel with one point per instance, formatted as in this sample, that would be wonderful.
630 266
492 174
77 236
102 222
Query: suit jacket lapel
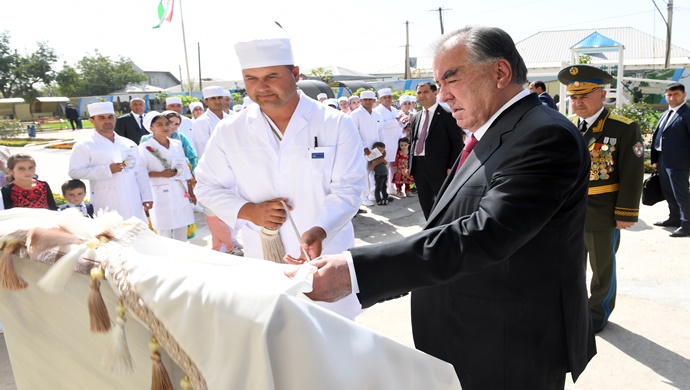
675 117
482 151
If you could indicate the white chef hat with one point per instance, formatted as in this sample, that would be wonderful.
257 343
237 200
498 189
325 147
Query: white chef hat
100 108
331 102
226 93
194 105
367 95
173 100
266 45
353 97
212 91
149 117
343 99
385 92
321 96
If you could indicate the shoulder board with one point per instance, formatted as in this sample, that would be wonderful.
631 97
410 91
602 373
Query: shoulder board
621 118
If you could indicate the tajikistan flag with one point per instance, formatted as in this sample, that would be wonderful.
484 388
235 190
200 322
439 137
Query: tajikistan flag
165 11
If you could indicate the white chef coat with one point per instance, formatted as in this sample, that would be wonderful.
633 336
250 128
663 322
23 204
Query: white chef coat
392 131
203 128
171 210
185 128
123 191
244 162
368 125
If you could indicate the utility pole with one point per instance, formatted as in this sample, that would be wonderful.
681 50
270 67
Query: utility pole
668 21
440 15
408 74
669 25
198 52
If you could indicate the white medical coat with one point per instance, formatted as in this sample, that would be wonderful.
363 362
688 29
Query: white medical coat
171 210
123 191
392 131
203 128
369 126
185 128
244 162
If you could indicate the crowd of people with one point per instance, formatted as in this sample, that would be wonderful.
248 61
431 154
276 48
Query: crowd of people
502 179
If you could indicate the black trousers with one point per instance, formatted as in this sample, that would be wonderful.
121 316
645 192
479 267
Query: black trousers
675 186
380 187
427 186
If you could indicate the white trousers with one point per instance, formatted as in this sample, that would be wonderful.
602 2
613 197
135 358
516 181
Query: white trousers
179 234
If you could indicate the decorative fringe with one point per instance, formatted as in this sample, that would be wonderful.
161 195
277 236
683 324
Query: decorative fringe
159 376
55 280
98 312
9 279
272 245
118 358
41 240
185 383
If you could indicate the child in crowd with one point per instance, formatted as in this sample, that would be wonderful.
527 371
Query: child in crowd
401 176
378 165
23 189
74 192
169 175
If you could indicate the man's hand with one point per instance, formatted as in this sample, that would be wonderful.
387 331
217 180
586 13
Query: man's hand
366 151
147 205
268 214
331 281
117 167
312 243
623 224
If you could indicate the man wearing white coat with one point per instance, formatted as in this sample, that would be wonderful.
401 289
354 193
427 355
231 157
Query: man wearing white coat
174 103
203 126
368 123
117 177
286 147
392 131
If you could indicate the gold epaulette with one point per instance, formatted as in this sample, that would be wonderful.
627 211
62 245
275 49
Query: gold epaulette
621 118
623 212
603 189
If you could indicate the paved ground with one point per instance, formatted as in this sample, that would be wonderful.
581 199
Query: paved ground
646 346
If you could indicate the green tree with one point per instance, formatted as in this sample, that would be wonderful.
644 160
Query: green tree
642 113
324 74
98 75
19 74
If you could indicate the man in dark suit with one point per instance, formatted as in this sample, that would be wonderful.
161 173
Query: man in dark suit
132 125
539 88
72 115
436 144
671 156
615 180
497 275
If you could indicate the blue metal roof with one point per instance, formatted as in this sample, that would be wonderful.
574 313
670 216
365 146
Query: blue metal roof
595 40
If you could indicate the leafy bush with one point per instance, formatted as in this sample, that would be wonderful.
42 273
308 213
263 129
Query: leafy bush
11 128
642 113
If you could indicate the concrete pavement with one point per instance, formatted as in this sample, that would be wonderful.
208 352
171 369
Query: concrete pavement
645 346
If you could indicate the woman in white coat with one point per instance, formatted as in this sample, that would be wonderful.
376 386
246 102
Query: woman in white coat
166 163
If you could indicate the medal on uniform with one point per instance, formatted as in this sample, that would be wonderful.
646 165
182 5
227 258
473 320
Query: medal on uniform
613 143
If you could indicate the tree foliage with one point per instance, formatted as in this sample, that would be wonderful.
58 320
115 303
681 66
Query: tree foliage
323 74
642 113
97 75
19 74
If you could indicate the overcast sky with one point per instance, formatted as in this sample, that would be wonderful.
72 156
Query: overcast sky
363 35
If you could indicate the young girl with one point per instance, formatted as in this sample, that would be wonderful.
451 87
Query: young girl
23 190
402 179
169 174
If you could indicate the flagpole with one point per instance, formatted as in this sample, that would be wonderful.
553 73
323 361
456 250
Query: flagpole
184 42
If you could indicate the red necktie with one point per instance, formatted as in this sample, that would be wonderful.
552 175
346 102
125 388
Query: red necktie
422 137
466 151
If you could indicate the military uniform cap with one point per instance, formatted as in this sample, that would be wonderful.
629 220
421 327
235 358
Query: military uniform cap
583 79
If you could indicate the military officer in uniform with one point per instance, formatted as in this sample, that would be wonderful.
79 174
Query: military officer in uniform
617 152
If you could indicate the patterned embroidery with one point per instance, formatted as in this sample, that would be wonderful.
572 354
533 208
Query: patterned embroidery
35 198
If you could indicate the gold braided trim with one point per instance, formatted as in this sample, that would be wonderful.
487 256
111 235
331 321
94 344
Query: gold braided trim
115 265
625 213
603 189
